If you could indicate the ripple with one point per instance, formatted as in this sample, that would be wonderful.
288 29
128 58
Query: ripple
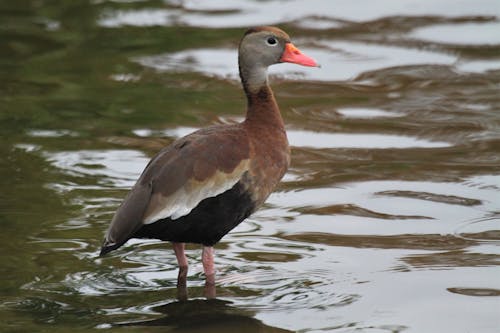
340 60
319 23
139 18
303 138
485 33
480 292
51 133
125 77
448 199
354 223
118 281
269 256
347 60
121 167
414 208
421 242
365 113
29 148
452 259
47 310
63 244
314 288
91 284
483 229
478 66
243 13
350 209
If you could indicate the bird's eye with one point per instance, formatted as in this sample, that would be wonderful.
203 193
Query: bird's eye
271 41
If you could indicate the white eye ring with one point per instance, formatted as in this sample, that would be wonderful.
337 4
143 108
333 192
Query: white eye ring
271 41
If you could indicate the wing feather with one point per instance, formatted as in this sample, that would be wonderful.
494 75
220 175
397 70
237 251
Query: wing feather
199 166
191 194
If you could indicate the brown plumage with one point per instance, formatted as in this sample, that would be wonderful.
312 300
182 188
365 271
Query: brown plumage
203 185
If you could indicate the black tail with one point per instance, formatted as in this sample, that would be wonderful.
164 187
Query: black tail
108 247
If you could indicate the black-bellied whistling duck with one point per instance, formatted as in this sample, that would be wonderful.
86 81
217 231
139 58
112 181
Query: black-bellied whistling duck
203 185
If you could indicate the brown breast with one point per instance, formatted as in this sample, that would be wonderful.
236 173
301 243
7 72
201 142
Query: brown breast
269 150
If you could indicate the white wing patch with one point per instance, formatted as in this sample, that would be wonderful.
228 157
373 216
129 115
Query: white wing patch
185 199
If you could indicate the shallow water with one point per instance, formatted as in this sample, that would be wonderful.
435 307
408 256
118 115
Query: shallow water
387 221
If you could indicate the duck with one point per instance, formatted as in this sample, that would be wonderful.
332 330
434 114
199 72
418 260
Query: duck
203 185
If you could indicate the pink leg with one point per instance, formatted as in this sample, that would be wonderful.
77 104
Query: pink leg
183 264
208 264
179 253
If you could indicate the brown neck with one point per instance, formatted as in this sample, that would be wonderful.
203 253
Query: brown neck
262 109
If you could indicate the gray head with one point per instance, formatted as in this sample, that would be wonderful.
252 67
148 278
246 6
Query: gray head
262 47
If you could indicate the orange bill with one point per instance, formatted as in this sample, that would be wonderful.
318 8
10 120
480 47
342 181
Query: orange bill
294 55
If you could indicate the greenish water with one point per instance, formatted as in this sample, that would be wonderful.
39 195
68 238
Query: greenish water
387 221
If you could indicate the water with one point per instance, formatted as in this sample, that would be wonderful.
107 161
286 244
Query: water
387 221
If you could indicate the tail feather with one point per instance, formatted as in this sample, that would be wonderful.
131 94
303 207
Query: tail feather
108 247
128 218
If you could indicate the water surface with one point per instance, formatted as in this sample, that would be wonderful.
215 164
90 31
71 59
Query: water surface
387 221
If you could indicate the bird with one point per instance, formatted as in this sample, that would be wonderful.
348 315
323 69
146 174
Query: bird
201 186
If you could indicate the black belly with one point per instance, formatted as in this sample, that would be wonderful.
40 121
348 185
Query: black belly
207 223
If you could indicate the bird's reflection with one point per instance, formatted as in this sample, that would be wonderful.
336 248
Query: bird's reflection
206 315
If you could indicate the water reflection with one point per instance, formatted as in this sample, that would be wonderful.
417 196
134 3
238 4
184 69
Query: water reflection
343 60
318 140
365 113
241 13
485 33
211 315
392 194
